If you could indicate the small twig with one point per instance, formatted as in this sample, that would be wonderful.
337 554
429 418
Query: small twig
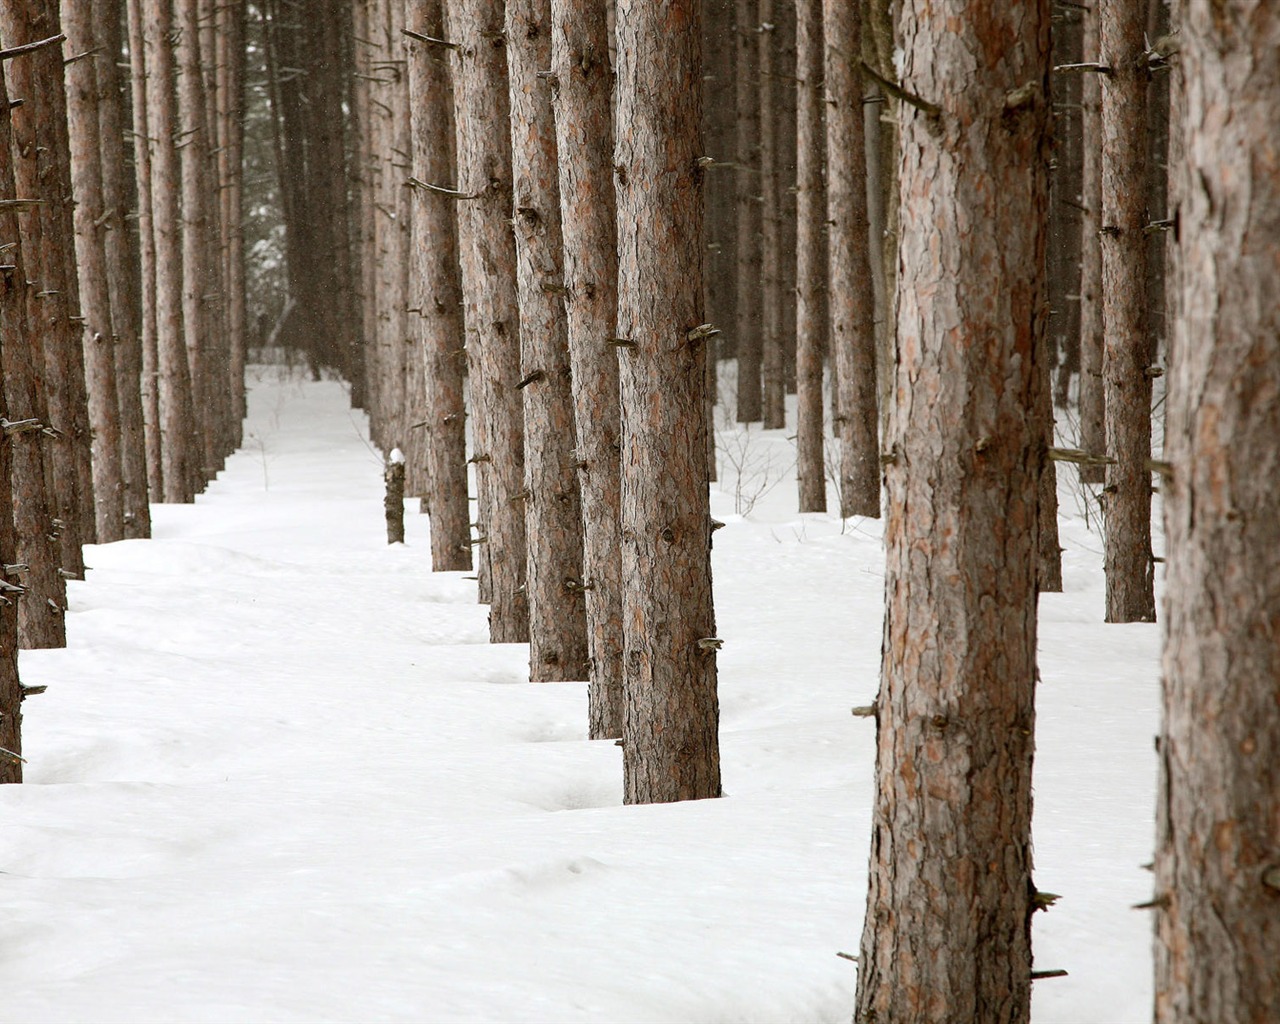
1038 975
18 51
20 205
429 39
846 956
1097 69
897 92
452 193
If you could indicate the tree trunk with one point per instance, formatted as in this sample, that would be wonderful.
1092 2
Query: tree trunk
123 282
553 510
13 326
774 387
784 79
811 259
1217 863
748 327
42 169
438 295
481 110
1093 427
34 541
852 304
91 258
1065 202
177 446
670 748
584 133
1126 358
231 44
947 934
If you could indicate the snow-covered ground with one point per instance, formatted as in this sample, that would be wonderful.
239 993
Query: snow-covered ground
279 775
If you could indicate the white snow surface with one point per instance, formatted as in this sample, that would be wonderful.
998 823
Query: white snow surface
280 775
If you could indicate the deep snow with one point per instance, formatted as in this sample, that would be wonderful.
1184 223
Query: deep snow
279 775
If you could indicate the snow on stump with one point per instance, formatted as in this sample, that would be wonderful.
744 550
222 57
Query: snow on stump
394 502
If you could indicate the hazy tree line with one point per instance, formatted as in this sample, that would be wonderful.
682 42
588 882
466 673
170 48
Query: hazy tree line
531 234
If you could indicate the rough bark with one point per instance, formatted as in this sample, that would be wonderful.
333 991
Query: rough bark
811 258
1065 202
438 295
231 42
43 170
13 326
40 611
149 369
747 328
1093 427
481 110
670 748
553 511
852 304
1127 355
91 259
123 281
1217 862
769 182
584 134
784 80
947 930
177 440
878 50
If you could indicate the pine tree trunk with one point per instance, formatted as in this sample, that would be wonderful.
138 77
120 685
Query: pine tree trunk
40 611
552 504
438 295
1065 202
231 87
481 111
584 133
774 387
13 326
785 83
878 50
947 929
150 363
1217 861
1127 355
748 326
1093 427
852 304
91 258
811 259
177 439
42 170
670 747
123 281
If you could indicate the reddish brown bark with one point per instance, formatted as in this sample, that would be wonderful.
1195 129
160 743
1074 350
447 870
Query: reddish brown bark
1093 429
481 110
769 182
1127 354
1217 906
584 133
670 748
91 259
747 327
947 934
852 304
553 513
812 323
438 296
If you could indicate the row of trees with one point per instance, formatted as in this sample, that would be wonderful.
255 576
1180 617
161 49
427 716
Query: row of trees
123 348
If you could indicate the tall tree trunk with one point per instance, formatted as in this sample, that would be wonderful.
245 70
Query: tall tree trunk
481 109
1065 202
1217 862
553 510
774 387
1093 427
811 258
123 281
584 133
43 170
438 294
231 86
878 50
852 304
177 444
91 258
40 611
947 934
669 743
1126 358
748 328
784 78
13 326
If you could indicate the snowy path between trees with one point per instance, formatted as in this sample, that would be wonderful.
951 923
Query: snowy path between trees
280 775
